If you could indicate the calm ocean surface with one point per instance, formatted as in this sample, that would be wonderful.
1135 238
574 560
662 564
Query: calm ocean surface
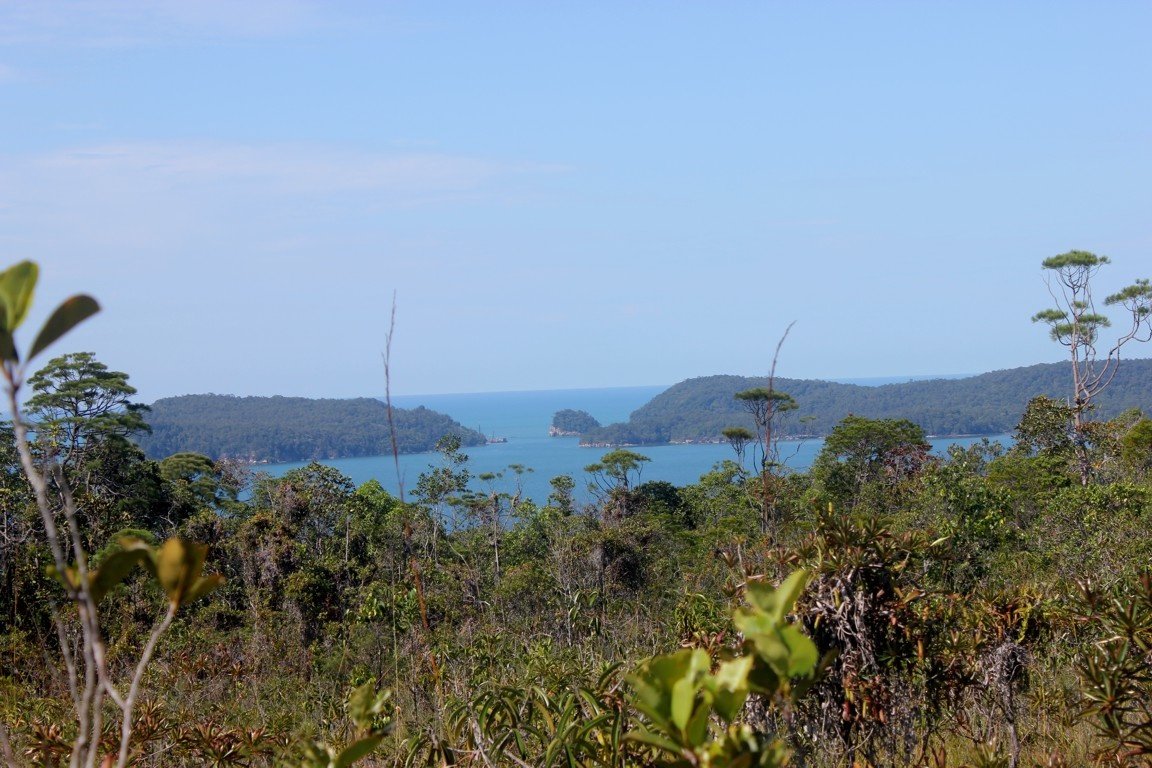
523 418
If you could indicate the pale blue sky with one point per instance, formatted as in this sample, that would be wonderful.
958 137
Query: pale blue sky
568 194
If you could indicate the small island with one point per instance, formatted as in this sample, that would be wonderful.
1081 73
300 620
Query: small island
571 423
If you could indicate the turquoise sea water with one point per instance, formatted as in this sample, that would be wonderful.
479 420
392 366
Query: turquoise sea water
523 418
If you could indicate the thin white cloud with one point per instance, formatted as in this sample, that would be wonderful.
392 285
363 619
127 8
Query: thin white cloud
140 196
275 169
142 22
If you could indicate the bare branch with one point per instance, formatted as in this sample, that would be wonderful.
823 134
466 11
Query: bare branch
388 397
137 677
6 752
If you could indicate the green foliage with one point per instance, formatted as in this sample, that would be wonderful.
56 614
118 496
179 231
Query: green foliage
1136 447
680 694
370 712
77 401
572 422
930 624
282 429
1075 322
613 477
869 459
529 725
1046 428
1116 672
698 410
973 512
619 468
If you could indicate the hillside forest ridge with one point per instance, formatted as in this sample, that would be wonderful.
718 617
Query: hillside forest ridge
286 429
991 608
698 410
283 429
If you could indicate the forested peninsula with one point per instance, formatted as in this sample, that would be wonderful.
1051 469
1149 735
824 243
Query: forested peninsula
697 410
277 429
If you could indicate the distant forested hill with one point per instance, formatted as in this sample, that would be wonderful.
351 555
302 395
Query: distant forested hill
991 403
291 428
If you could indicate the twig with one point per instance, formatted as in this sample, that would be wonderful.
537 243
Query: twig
6 748
388 397
413 564
134 689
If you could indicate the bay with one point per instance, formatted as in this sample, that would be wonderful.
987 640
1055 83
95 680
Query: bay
523 419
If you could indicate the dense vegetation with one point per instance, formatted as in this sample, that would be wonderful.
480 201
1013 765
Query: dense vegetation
567 422
491 617
700 409
990 608
291 428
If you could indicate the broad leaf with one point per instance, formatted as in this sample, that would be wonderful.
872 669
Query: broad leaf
364 703
66 317
803 654
8 347
779 601
653 740
203 586
683 697
178 567
112 571
16 286
356 750
68 578
730 687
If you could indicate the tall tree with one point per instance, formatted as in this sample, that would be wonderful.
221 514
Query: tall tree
869 460
77 401
614 476
766 404
1075 323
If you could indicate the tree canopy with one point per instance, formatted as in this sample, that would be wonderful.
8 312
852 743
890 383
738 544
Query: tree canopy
700 409
292 428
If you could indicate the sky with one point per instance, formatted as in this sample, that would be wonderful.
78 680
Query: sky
570 194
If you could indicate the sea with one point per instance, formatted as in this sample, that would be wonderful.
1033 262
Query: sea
521 420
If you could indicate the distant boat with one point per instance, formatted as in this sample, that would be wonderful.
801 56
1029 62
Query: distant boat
491 440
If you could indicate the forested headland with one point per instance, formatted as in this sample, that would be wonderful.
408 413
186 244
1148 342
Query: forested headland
698 410
569 422
278 429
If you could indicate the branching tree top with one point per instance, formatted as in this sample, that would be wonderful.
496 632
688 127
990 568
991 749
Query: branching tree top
1075 323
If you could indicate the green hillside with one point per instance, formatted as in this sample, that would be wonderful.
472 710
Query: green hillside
991 403
291 428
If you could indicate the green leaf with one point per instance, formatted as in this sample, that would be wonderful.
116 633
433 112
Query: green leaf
643 736
772 649
16 286
763 679
730 687
697 730
649 699
112 571
753 622
203 586
365 704
178 567
66 317
803 654
8 347
683 696
356 750
68 578
779 601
